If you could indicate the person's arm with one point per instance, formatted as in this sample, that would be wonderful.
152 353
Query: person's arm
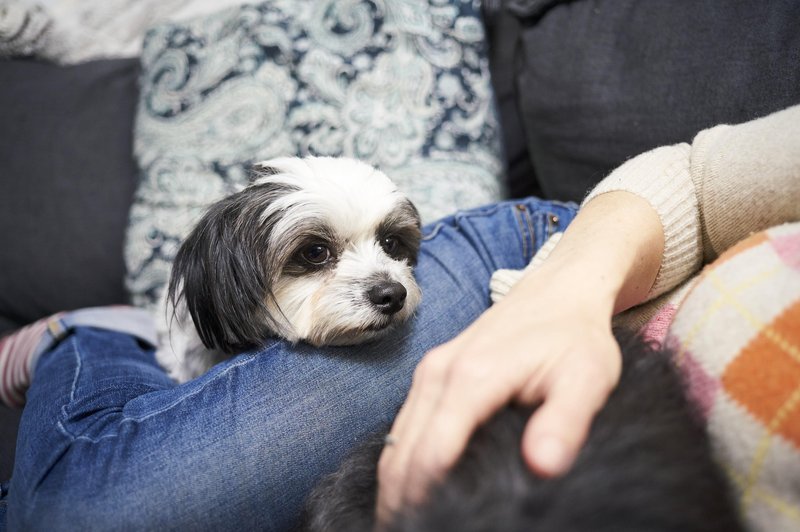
730 182
747 178
550 338
643 230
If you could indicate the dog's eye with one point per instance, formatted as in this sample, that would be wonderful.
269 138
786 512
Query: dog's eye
316 254
389 244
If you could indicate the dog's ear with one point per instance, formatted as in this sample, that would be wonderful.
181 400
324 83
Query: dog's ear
219 272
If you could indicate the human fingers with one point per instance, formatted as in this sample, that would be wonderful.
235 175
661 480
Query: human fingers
474 389
559 427
470 387
394 472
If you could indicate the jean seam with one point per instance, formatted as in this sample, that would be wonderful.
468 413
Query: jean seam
521 228
61 425
525 225
532 233
246 359
433 232
540 237
551 227
485 211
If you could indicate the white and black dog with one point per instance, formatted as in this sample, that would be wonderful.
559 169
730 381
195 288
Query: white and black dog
317 249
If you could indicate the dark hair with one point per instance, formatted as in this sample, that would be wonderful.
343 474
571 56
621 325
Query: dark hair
221 272
646 466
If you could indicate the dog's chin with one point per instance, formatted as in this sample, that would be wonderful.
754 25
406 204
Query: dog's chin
356 335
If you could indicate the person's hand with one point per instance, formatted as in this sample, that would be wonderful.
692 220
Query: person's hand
545 342
548 341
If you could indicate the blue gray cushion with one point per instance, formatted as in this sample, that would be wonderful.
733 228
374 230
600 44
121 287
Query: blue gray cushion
403 85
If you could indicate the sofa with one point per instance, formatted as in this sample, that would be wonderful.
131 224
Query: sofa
577 87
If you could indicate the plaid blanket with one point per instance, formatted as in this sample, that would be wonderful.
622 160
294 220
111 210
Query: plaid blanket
735 330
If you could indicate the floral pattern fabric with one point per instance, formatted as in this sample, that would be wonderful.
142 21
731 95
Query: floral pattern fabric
401 84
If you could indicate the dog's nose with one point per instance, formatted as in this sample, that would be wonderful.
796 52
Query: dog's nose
388 297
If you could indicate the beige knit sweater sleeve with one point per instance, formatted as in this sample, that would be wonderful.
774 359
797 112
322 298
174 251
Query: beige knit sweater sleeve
730 182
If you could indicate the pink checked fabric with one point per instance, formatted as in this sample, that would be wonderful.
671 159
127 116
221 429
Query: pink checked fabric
736 334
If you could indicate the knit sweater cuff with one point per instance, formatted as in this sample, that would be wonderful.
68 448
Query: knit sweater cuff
502 280
662 178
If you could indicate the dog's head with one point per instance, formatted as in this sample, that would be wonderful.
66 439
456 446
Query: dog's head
317 249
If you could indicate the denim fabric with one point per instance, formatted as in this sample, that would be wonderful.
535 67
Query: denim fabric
107 441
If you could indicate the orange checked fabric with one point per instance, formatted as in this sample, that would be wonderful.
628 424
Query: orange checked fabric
736 334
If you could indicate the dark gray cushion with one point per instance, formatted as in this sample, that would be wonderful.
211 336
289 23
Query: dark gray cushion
68 178
503 29
598 82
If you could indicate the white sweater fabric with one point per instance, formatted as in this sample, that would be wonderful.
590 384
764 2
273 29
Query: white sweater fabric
732 181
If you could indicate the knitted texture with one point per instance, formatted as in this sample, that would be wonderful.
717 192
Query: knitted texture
662 178
747 178
736 336
502 280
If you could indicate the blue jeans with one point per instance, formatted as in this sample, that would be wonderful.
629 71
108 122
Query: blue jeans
107 441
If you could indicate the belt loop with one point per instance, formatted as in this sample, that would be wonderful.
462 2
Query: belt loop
57 329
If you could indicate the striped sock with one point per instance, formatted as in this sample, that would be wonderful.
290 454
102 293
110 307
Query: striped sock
18 356
20 351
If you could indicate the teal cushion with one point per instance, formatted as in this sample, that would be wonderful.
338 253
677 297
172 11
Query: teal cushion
403 85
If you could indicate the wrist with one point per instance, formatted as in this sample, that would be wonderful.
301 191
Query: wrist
609 256
570 283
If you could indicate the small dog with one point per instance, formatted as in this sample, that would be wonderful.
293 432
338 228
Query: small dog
317 249
646 466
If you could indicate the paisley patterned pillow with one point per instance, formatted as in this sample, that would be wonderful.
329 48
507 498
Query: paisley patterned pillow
401 84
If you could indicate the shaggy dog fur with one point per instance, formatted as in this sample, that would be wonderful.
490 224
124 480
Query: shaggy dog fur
645 467
319 249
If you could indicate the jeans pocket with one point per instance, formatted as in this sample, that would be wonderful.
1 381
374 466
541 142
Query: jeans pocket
539 219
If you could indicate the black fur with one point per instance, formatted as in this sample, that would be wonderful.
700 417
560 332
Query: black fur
404 225
221 271
645 467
